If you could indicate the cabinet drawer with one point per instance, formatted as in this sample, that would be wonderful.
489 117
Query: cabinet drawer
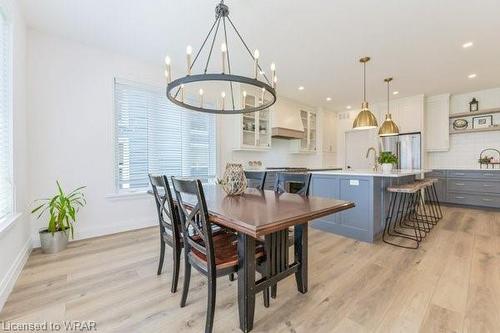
475 174
474 199
436 174
481 186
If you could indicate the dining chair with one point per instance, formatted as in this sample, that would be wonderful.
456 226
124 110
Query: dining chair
287 182
213 254
168 218
256 178
293 182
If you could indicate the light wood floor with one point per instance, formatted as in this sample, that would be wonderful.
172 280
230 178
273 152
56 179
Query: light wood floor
451 284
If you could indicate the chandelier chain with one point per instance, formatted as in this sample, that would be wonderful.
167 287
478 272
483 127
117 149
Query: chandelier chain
248 49
212 46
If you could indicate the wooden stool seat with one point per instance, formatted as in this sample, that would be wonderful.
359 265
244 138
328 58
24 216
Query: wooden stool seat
406 188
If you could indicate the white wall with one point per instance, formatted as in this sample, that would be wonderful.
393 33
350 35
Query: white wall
15 243
70 126
465 148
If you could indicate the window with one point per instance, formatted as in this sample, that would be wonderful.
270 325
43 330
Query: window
6 188
156 136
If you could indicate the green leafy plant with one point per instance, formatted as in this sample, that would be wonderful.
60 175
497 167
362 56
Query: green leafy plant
62 209
387 157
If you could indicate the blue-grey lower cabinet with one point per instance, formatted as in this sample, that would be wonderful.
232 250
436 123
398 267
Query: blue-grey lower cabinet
357 222
468 187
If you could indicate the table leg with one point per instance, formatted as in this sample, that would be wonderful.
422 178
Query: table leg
246 281
301 256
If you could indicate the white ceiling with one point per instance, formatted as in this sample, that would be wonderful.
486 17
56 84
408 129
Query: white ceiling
315 44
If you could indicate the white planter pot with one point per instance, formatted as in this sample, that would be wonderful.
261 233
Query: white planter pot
53 243
386 167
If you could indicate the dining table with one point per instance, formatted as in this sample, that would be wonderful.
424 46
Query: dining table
263 215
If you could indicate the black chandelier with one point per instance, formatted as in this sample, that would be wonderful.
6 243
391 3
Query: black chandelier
177 89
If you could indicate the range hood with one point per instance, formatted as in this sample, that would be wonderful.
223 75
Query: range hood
286 120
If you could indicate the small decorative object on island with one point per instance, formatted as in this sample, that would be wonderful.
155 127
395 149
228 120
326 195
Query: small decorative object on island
62 209
387 159
460 124
474 105
234 181
482 122
489 160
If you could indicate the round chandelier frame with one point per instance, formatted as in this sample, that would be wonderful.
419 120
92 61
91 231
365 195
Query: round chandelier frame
175 88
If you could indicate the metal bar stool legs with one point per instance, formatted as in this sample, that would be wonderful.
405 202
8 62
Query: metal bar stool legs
404 203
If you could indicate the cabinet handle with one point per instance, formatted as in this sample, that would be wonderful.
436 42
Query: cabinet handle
459 197
460 174
460 184
487 200
487 185
487 174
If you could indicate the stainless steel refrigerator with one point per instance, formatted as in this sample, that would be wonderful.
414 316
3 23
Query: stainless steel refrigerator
407 147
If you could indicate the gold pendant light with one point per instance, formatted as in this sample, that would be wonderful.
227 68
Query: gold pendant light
389 127
365 119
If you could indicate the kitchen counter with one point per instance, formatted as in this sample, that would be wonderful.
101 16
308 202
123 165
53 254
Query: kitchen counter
370 173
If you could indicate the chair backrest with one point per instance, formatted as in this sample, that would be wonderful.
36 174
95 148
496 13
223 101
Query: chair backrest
257 178
285 180
168 215
196 227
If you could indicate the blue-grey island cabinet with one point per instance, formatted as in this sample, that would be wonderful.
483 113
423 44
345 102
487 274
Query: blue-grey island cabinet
367 189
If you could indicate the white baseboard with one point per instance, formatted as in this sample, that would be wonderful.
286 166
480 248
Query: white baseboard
83 233
13 273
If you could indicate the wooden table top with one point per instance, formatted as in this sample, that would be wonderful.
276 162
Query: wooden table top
258 213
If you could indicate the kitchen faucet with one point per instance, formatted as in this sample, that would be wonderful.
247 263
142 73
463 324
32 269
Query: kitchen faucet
374 157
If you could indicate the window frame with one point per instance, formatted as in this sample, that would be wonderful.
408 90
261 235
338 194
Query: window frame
118 192
11 216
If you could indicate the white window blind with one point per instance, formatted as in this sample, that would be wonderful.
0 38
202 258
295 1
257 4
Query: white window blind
6 188
156 136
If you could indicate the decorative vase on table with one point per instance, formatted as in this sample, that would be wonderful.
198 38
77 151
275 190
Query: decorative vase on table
234 181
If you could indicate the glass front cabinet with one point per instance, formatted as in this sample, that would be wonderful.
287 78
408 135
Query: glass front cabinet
255 127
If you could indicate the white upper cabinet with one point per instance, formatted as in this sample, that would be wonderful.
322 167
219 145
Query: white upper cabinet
407 113
329 126
437 110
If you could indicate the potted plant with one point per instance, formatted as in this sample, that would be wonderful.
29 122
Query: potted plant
387 160
62 209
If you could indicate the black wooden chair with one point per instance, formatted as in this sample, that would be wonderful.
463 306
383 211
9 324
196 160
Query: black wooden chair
293 182
257 179
287 182
213 254
168 218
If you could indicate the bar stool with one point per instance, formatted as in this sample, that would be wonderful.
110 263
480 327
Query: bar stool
405 213
432 199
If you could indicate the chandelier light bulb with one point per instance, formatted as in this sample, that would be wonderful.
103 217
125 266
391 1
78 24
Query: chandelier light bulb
273 67
223 47
182 93
256 54
201 97
167 60
223 94
189 50
201 92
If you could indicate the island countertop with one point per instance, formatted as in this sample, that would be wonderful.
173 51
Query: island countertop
371 173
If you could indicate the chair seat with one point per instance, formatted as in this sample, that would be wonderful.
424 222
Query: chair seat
226 250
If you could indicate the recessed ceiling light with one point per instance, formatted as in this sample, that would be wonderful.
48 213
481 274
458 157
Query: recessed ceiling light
328 99
301 88
472 76
467 45
348 107
395 92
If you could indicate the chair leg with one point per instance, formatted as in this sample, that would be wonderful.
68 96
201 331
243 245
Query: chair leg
231 277
187 277
175 274
212 289
162 255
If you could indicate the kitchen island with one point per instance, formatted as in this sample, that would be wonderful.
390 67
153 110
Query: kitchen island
367 189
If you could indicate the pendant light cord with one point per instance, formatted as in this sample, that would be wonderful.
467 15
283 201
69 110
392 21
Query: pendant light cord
364 81
388 94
